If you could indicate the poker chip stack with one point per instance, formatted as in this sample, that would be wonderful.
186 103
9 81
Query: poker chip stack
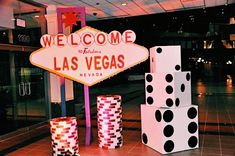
64 135
109 116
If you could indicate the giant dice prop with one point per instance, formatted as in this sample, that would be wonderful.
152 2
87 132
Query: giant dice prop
165 58
168 89
169 121
170 130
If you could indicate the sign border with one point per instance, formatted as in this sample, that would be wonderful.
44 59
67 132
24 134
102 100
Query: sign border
78 80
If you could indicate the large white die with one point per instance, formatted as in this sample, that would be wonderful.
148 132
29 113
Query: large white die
165 58
168 89
170 130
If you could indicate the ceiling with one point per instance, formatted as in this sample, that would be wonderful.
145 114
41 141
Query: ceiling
22 8
106 9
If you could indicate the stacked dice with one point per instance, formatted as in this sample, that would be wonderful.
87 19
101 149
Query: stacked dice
169 120
64 135
109 116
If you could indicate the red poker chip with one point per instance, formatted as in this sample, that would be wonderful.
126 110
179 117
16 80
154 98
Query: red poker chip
108 139
113 125
116 138
109 104
110 136
108 107
108 115
109 118
107 122
108 96
109 128
109 143
100 126
111 101
105 113
107 136
109 110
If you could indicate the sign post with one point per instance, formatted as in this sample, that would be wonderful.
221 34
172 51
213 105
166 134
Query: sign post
81 12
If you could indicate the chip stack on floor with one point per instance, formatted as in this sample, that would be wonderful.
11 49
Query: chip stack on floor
64 135
109 116
169 121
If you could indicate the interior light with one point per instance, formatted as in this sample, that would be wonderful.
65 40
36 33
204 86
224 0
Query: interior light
36 16
124 4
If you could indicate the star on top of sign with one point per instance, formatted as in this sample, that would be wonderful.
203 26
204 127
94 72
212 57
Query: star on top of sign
70 19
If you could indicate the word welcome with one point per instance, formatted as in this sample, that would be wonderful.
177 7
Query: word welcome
88 38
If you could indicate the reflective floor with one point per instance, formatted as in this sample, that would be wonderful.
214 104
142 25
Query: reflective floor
216 104
210 145
216 116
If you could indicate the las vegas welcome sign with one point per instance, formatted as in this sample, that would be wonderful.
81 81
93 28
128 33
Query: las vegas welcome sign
89 56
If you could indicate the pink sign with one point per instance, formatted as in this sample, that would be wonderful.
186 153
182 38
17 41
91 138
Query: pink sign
89 56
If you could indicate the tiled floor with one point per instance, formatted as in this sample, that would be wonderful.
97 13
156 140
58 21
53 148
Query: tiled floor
210 145
216 116
216 104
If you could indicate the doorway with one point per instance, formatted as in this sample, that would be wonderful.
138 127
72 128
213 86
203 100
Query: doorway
22 92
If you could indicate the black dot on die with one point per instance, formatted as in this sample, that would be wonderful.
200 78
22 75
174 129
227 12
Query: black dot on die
192 127
149 78
168 131
144 138
169 146
188 77
182 87
150 100
159 50
169 89
168 116
169 102
149 89
192 141
177 102
169 78
158 115
192 113
177 67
